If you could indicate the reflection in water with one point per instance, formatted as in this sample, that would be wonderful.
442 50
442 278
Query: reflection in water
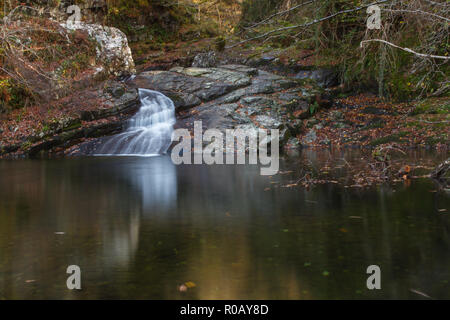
155 180
139 227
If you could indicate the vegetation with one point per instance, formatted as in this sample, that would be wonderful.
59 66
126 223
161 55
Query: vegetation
416 24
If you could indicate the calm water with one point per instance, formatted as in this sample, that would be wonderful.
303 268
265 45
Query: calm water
140 227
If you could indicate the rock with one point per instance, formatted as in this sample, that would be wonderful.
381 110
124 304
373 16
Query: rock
293 143
310 137
234 96
337 115
182 100
195 88
312 122
375 111
324 77
238 79
205 60
326 141
240 68
289 97
127 103
262 61
116 91
113 50
318 126
340 125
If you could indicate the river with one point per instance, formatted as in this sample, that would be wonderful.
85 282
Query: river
140 227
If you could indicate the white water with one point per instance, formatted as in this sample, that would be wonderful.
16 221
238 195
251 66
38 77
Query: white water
149 131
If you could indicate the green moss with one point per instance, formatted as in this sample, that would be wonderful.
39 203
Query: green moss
396 137
26 145
431 106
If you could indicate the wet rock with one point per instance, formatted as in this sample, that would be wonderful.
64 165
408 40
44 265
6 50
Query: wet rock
183 100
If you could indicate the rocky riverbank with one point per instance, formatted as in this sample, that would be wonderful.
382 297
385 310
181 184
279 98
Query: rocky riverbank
233 97
240 90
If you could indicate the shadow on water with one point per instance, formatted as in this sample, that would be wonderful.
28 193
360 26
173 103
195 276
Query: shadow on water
140 227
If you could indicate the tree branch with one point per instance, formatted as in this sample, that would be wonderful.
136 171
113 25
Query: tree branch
423 55
418 12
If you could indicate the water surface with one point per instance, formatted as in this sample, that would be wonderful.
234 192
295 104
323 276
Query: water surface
140 227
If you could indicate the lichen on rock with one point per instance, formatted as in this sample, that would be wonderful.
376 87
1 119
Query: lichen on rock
113 50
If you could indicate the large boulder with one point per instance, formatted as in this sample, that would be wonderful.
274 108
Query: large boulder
113 51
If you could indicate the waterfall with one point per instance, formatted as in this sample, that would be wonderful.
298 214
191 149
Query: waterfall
149 131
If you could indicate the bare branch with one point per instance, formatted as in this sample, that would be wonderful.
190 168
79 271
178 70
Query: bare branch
418 12
423 55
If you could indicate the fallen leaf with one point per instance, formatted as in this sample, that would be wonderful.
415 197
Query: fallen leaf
182 288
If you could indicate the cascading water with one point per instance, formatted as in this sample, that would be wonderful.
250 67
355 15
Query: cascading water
149 131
